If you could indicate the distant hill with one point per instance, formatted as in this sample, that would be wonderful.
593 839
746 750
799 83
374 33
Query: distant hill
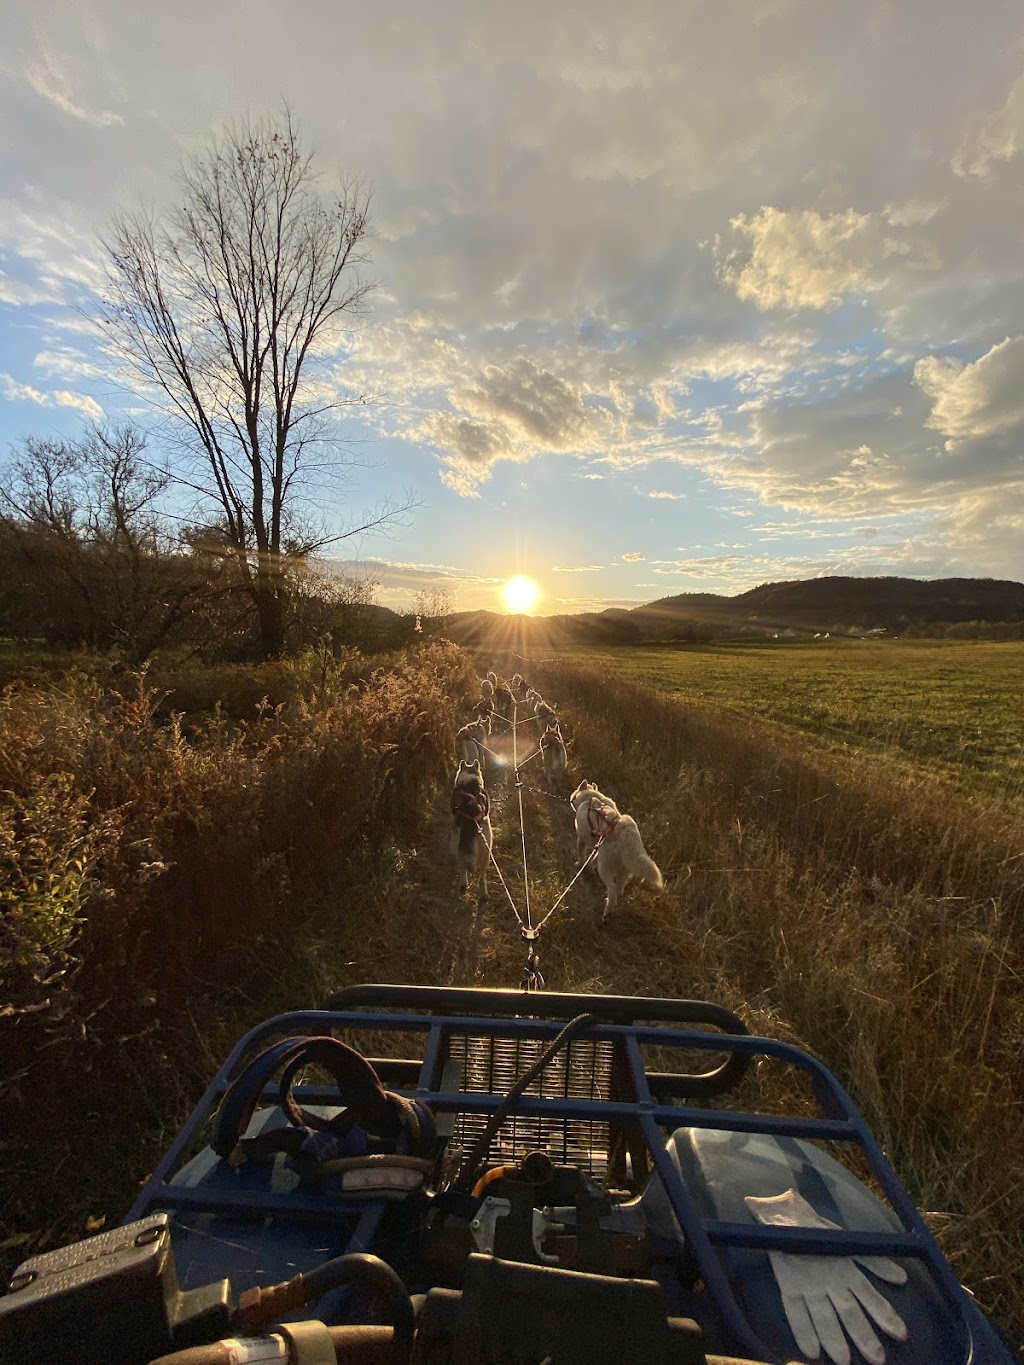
853 603
799 607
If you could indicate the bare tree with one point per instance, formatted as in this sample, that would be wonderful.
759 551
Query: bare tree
234 310
435 608
97 568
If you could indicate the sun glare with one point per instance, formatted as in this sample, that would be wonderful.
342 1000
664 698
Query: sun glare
520 594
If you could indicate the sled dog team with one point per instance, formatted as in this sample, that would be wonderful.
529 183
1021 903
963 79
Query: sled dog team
599 821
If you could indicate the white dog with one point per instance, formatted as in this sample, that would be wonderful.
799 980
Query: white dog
469 740
553 756
622 854
472 835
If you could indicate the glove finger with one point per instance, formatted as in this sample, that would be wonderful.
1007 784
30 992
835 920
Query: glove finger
883 1268
860 1331
801 1326
829 1330
878 1307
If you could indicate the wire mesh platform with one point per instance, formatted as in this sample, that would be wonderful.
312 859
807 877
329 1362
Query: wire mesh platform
582 1072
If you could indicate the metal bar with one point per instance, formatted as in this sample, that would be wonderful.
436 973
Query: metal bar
366 1228
638 1071
463 1000
431 1055
251 1204
814 1241
715 1279
668 1116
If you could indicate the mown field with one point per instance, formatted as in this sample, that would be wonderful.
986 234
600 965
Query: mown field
857 896
955 707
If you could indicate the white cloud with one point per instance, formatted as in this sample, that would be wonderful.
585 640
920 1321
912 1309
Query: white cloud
577 568
50 80
15 391
397 581
633 556
21 293
514 412
801 258
660 493
999 139
985 398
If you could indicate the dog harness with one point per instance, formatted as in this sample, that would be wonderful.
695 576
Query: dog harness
601 819
471 805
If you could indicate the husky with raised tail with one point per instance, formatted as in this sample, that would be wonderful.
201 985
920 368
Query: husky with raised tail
552 755
504 701
622 855
469 742
472 835
545 714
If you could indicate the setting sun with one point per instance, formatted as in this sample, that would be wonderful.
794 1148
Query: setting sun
520 594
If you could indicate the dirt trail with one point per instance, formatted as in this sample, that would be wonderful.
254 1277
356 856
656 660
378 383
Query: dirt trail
415 927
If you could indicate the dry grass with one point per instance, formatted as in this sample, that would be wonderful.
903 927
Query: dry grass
866 912
870 913
149 867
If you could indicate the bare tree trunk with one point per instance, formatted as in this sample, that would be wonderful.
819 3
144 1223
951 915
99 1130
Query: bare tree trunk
230 310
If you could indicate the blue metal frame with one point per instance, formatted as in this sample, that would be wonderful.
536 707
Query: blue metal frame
703 1235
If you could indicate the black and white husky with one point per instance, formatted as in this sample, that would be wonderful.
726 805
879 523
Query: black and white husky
552 752
472 835
622 855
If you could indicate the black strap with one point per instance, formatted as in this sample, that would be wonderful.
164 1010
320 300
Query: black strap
366 1101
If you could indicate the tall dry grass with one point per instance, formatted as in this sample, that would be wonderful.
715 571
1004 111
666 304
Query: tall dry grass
148 860
868 914
872 914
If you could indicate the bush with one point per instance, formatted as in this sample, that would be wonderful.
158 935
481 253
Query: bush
49 850
135 850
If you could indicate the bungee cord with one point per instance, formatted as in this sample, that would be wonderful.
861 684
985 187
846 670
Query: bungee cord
522 818
529 932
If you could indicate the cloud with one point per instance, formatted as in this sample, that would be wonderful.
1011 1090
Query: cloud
577 568
982 399
50 81
588 256
739 572
999 139
513 412
397 581
805 259
633 556
21 293
14 392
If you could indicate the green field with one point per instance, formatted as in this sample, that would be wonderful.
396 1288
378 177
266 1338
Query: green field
954 707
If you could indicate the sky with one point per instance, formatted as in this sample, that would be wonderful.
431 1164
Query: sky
674 296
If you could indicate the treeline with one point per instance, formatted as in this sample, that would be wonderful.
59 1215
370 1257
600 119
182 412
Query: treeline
967 630
94 555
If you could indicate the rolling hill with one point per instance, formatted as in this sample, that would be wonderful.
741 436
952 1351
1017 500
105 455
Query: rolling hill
837 604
